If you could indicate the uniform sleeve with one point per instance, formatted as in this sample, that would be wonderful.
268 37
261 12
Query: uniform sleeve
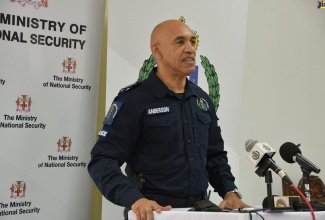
220 176
114 145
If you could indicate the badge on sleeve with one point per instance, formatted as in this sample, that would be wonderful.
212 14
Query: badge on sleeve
112 112
103 133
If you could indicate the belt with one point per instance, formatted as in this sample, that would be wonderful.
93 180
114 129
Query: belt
175 202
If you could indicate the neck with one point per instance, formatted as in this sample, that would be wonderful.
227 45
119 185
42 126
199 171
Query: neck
175 82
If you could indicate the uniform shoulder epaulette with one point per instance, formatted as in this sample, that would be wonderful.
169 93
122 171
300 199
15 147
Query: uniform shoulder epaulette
129 87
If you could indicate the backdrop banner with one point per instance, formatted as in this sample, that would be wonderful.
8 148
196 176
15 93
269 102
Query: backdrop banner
50 64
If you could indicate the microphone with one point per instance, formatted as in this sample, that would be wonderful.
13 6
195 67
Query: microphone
291 153
257 151
260 155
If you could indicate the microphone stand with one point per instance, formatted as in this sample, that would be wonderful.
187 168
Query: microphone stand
268 181
263 170
306 181
302 206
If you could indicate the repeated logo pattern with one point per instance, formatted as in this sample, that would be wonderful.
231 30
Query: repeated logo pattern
18 189
23 103
36 4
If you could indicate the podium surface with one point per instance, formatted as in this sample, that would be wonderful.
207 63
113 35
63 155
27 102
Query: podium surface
183 214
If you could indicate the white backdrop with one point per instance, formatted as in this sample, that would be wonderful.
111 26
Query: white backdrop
283 96
45 47
221 26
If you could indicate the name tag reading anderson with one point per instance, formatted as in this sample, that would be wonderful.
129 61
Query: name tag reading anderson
154 111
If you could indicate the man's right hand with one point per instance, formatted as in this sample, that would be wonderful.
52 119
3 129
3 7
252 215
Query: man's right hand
143 208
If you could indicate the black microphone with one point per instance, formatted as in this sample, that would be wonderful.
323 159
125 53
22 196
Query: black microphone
260 155
291 153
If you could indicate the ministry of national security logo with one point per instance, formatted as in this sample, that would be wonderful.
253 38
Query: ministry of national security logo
18 189
64 144
209 72
23 103
36 4
69 65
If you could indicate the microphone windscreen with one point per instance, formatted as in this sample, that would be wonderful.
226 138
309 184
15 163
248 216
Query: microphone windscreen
250 144
265 203
288 150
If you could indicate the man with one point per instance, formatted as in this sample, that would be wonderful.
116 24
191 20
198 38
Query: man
165 128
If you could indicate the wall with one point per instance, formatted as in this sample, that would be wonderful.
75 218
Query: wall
283 87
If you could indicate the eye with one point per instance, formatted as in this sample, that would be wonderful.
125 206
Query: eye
193 41
180 41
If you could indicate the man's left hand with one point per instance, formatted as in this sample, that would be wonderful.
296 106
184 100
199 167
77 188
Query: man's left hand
232 201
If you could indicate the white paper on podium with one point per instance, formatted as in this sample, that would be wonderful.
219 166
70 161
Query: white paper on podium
183 214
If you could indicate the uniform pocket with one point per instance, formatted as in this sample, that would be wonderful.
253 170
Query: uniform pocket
204 118
163 120
161 134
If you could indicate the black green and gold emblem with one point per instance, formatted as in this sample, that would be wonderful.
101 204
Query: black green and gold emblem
202 103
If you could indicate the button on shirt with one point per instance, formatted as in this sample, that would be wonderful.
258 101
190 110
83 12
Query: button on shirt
174 141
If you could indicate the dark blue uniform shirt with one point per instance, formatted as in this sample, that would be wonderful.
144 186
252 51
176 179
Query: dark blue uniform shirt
174 141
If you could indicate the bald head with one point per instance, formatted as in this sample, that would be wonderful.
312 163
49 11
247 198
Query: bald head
160 30
173 44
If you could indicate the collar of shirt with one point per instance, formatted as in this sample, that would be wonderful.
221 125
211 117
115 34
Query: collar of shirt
160 90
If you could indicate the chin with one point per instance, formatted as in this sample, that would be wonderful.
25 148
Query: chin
190 70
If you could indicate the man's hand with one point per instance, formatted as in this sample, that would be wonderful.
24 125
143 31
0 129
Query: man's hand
232 201
143 208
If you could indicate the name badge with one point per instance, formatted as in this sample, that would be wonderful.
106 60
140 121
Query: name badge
159 110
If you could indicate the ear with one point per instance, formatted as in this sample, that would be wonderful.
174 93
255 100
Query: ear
155 50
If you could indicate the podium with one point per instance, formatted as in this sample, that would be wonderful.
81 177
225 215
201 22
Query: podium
181 214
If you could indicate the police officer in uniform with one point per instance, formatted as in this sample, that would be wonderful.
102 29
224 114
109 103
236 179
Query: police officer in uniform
166 129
